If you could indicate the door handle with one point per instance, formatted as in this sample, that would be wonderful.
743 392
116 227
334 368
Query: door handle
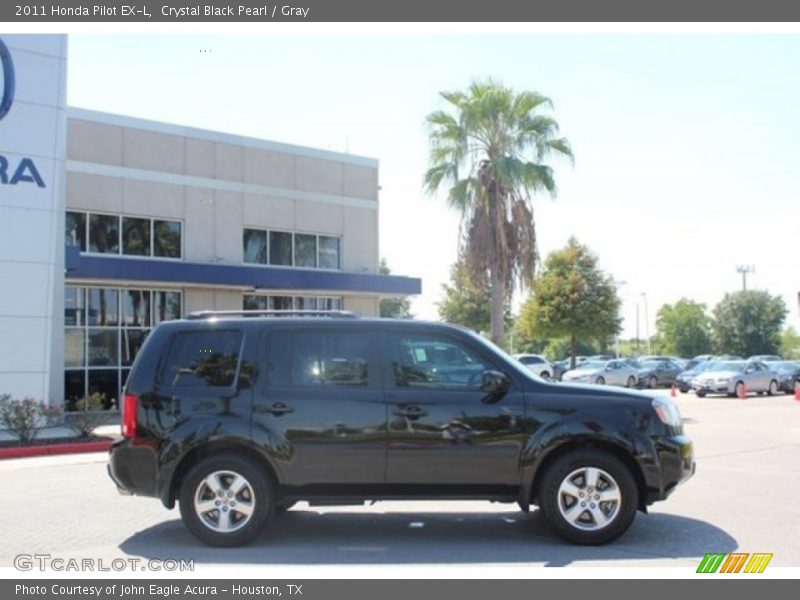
412 411
279 408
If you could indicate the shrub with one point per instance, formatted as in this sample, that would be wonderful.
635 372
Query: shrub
25 418
89 414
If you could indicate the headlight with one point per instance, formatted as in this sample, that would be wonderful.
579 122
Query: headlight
667 412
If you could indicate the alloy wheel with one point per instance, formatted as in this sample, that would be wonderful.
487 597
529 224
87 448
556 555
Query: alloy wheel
589 499
224 501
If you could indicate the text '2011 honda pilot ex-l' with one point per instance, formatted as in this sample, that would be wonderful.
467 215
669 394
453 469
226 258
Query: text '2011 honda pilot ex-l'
236 418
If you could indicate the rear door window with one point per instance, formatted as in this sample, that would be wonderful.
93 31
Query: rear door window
319 358
202 359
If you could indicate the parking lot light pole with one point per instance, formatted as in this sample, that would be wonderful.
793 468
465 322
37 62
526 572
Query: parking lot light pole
646 324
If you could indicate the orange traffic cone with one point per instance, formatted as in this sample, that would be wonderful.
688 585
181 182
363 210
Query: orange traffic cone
797 390
742 391
673 391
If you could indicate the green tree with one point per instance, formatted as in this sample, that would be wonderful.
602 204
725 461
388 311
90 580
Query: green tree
684 329
790 343
394 308
490 150
466 300
748 322
572 298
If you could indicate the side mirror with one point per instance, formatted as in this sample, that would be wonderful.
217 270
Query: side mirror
494 383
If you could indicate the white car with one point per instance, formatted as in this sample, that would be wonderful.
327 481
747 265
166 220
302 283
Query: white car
536 363
612 372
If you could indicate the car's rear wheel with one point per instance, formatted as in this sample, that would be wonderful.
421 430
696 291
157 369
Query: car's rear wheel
226 500
600 381
589 497
700 394
631 381
652 382
773 388
545 375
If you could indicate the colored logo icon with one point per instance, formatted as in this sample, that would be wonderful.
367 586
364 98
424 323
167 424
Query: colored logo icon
735 562
6 80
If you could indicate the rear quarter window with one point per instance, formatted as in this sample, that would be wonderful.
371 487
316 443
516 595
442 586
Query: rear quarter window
202 359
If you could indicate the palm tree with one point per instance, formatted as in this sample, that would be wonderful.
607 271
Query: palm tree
498 139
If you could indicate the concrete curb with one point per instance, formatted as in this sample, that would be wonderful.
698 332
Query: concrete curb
52 449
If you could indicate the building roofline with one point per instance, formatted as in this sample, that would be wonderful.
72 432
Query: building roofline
106 118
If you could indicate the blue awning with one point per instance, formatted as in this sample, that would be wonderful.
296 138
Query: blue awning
118 269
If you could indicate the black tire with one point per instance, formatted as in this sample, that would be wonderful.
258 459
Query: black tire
263 500
652 382
600 381
700 394
545 375
631 381
549 497
773 388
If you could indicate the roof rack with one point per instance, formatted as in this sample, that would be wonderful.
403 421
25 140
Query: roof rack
205 314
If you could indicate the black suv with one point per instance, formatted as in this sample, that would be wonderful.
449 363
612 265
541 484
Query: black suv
237 418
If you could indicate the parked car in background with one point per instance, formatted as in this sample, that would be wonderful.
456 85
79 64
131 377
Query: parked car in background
765 358
684 379
601 372
655 373
734 377
788 374
538 364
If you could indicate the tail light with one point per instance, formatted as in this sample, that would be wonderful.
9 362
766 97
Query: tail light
129 406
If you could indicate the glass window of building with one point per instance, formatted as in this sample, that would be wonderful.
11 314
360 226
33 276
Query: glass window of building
102 347
305 303
135 236
103 307
167 239
136 308
104 234
328 252
280 248
75 229
305 250
167 306
104 329
74 306
254 244
267 302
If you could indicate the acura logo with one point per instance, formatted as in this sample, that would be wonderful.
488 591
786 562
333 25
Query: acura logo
6 81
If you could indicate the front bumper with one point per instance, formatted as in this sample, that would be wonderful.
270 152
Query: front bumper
711 388
677 464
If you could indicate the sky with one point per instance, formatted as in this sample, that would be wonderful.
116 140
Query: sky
686 145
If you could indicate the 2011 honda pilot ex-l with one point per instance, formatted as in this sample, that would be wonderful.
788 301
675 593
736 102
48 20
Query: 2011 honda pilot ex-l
237 418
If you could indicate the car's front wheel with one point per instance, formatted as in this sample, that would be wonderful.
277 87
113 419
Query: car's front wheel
600 381
631 381
589 497
773 388
652 382
226 500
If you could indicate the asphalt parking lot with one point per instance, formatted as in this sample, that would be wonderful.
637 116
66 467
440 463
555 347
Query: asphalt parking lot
743 497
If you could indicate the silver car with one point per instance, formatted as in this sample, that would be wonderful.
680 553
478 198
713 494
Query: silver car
612 372
537 363
735 377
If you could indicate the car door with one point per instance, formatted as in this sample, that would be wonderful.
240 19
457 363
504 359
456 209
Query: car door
444 429
319 406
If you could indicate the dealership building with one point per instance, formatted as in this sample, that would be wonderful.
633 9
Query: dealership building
110 225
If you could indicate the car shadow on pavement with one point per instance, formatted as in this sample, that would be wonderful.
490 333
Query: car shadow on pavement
306 537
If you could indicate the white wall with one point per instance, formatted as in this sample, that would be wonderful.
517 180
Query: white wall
32 222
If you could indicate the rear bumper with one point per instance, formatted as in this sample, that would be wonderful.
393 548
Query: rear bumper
677 464
133 468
